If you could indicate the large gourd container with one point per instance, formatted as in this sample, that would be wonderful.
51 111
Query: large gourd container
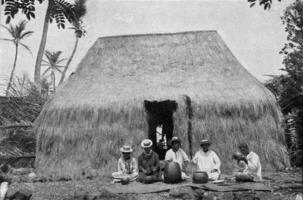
200 177
172 173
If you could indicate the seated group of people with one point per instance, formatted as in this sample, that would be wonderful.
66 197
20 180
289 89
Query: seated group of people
148 170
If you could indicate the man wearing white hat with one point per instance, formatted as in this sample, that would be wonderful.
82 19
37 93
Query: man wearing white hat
176 154
127 165
148 163
207 161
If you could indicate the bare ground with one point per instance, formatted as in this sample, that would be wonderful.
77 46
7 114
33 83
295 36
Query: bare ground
285 185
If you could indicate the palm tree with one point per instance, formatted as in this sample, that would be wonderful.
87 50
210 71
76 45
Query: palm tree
58 10
52 61
17 33
80 11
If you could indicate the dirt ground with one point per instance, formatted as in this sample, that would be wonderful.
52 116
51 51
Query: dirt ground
286 185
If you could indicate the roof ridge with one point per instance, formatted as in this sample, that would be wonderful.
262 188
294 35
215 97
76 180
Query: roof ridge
156 34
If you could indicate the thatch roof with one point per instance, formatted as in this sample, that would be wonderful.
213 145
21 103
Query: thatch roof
100 107
161 66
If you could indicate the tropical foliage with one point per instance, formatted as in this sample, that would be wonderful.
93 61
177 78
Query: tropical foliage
18 34
80 11
52 62
289 86
265 3
57 10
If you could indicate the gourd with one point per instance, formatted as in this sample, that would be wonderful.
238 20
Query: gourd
172 173
200 177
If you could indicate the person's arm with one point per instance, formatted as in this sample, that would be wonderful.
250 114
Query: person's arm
120 165
168 156
217 162
195 159
252 162
156 166
140 165
135 166
185 159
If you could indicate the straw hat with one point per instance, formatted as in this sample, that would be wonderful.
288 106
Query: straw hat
126 149
146 143
205 141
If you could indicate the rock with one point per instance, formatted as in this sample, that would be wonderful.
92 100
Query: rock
32 175
209 196
223 195
20 195
182 193
199 193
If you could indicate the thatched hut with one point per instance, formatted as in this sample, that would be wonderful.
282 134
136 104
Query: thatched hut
127 85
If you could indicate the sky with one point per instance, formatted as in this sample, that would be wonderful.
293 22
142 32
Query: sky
254 36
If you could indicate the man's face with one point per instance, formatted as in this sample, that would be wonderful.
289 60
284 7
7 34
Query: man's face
175 146
244 150
147 150
126 156
205 147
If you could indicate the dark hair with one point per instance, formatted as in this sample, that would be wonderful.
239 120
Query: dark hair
243 145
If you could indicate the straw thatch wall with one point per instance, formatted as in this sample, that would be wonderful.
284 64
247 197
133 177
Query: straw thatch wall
100 107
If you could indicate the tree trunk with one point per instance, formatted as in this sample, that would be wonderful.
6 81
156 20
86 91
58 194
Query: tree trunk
54 81
13 71
42 46
69 60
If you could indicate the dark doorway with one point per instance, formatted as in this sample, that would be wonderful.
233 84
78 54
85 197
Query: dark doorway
160 122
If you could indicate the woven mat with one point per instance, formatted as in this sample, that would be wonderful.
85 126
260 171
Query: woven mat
139 188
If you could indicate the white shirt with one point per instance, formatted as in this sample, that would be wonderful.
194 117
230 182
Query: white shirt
254 165
207 161
129 166
178 157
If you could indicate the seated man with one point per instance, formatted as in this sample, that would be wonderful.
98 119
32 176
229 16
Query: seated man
148 164
176 154
207 161
127 166
251 161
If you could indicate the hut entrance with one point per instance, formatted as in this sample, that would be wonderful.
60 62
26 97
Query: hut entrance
160 124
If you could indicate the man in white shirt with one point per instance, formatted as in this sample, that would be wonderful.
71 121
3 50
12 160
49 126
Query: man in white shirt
176 154
207 161
127 165
252 160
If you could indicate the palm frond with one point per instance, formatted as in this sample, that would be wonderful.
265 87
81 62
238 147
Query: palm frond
13 31
61 60
5 39
19 28
57 68
27 48
45 62
50 56
47 70
17 32
26 34
53 60
80 8
8 29
62 10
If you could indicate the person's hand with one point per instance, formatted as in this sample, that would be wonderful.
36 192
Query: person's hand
243 159
148 171
242 164
213 170
154 169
